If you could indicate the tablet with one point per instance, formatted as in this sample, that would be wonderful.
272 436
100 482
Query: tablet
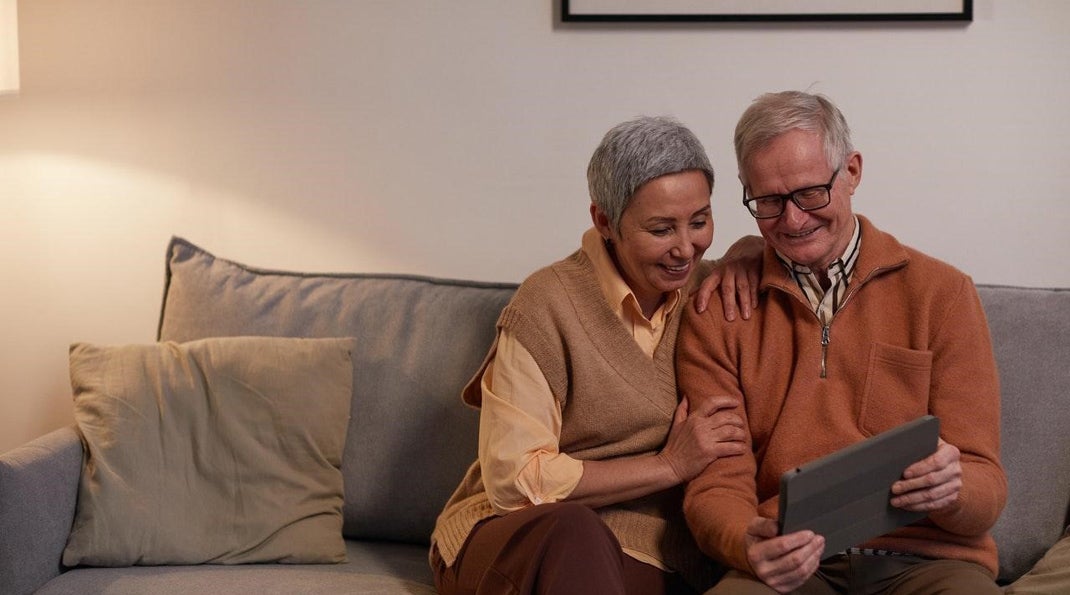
844 496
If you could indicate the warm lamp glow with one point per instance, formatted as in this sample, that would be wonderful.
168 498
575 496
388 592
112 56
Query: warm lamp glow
9 46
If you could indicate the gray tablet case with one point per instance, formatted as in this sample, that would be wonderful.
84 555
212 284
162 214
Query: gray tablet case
844 495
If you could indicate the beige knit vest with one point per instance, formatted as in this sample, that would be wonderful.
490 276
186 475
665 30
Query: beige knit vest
616 401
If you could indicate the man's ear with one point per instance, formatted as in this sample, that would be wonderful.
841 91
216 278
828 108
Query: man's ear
854 169
601 222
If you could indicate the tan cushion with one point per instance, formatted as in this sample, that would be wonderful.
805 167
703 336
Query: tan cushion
221 451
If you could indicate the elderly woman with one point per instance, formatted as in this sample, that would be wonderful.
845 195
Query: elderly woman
583 441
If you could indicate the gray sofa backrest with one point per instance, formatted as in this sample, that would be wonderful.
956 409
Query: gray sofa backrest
419 340
1031 337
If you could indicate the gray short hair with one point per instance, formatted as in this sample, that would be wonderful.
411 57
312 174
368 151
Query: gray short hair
634 152
773 114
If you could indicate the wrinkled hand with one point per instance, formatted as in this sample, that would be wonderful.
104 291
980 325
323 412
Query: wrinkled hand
782 562
700 436
737 274
932 483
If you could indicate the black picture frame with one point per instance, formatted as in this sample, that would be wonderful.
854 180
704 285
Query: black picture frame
637 11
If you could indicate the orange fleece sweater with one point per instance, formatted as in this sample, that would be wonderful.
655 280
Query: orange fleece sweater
910 339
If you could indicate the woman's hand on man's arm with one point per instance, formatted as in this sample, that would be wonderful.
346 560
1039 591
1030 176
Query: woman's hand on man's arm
700 434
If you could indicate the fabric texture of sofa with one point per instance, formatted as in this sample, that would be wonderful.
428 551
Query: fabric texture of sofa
409 439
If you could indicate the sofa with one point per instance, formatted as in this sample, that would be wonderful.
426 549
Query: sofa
409 439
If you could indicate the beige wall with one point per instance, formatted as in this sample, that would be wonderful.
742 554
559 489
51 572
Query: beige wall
450 138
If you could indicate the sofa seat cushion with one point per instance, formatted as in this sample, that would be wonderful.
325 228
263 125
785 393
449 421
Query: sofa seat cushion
371 567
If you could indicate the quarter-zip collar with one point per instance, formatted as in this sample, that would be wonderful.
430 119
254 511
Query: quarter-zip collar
880 254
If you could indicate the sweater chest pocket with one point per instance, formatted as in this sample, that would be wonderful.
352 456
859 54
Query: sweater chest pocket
897 387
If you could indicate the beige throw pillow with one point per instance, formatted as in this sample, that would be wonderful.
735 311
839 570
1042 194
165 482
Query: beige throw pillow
220 451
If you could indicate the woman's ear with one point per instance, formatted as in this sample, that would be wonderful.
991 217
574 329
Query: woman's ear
601 222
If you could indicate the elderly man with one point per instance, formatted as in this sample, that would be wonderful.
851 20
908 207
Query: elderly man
854 334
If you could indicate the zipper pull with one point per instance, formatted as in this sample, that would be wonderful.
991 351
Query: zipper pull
824 349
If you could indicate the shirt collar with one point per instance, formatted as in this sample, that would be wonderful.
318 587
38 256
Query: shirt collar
841 267
614 288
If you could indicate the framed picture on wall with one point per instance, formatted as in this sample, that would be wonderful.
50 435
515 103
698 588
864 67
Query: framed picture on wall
765 10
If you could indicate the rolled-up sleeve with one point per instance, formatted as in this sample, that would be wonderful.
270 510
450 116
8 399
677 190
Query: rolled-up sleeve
519 433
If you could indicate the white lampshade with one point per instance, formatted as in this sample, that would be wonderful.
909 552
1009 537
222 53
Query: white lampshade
9 46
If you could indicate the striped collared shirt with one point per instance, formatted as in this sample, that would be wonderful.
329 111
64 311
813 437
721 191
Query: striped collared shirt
826 302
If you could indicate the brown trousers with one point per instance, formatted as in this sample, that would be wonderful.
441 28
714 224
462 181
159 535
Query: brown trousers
561 548
1050 575
857 574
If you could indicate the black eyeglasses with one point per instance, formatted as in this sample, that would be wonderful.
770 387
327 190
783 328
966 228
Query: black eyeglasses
807 199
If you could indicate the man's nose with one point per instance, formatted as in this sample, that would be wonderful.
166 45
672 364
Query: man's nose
793 215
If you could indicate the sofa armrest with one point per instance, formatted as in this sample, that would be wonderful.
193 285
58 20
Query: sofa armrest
38 494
